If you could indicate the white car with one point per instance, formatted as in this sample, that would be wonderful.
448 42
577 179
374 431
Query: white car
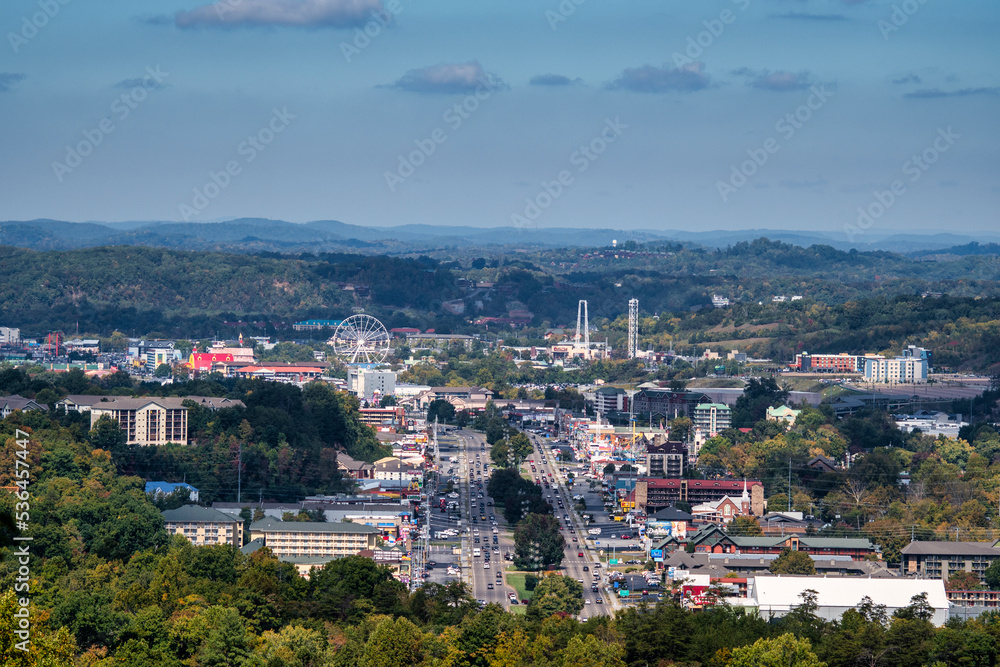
486 566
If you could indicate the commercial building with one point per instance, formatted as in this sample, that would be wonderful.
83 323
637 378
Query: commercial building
314 538
430 340
10 336
610 399
782 413
939 560
664 404
777 596
146 421
463 398
9 404
666 459
316 325
366 383
204 526
389 416
652 495
899 370
714 539
827 363
298 372
710 418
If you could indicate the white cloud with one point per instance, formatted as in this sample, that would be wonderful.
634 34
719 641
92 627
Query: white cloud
295 13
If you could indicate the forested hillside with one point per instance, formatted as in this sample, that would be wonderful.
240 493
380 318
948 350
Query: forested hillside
850 301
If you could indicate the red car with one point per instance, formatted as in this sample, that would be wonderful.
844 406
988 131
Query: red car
579 554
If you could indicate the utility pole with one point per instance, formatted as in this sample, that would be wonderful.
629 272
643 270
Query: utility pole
789 484
239 475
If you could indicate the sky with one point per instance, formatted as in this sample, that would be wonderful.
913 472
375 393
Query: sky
849 117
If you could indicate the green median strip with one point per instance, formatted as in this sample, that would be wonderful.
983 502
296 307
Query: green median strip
516 581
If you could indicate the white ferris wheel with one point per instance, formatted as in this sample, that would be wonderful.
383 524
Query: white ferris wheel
361 339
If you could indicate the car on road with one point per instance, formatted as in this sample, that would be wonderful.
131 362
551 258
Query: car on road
579 554
489 586
600 601
486 565
586 569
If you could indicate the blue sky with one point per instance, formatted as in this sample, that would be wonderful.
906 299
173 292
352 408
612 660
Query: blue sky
844 116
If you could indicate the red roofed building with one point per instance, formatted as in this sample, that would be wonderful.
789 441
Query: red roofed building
204 361
653 494
281 372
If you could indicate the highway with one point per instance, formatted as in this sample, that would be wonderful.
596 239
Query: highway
472 472
477 508
544 463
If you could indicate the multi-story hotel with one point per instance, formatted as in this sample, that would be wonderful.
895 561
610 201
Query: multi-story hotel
146 421
938 560
314 538
203 526
711 418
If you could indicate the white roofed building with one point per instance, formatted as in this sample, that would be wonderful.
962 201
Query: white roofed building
778 595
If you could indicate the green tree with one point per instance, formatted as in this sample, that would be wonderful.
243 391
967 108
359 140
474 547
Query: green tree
163 371
681 429
392 643
792 562
441 410
962 581
992 576
783 651
294 646
520 447
745 526
555 593
757 397
590 651
538 542
46 647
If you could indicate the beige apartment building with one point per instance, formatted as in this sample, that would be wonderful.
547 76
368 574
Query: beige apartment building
314 538
147 421
204 526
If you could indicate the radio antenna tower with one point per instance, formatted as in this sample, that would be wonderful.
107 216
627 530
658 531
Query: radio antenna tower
633 327
581 316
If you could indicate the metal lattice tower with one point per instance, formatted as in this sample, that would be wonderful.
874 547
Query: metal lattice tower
633 327
581 316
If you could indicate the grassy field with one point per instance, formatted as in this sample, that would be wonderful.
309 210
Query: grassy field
516 580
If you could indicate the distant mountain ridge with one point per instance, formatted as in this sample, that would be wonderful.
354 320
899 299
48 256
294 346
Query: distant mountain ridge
262 235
